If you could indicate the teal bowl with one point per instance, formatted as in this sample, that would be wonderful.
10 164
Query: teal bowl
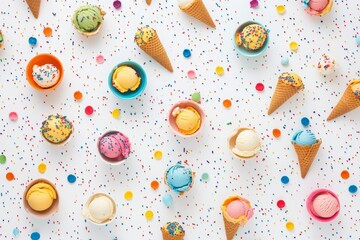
129 94
246 52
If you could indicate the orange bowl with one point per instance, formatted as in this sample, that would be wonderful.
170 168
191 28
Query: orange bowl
40 60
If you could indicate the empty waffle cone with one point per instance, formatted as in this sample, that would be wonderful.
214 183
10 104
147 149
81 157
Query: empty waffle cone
282 93
306 156
34 6
347 103
198 10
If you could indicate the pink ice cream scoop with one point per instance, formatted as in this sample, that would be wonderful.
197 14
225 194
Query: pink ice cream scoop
124 142
114 146
238 208
318 5
325 205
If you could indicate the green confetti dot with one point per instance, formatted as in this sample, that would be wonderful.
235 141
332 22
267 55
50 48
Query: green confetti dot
196 97
205 177
2 159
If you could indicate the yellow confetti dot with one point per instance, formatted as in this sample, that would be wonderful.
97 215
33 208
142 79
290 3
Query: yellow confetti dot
116 113
128 195
294 46
158 155
219 70
280 9
149 215
42 167
290 226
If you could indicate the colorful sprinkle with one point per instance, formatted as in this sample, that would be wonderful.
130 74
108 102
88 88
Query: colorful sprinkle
154 184
219 70
191 74
100 59
117 4
71 178
276 132
305 121
10 176
294 46
158 155
205 177
78 95
35 236
187 53
284 61
345 174
47 32
13 116
2 159
128 195
149 215
280 9
32 41
227 103
196 97
16 231
42 167
280 204
254 3
285 179
167 200
89 110
353 189
358 40
290 226
259 87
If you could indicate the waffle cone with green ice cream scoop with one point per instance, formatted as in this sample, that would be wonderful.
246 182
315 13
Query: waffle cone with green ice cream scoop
88 20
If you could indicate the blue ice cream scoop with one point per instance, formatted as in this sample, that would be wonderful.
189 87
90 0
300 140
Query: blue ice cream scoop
304 138
179 178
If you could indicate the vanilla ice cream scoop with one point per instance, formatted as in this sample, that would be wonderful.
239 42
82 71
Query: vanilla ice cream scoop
100 208
247 143
185 3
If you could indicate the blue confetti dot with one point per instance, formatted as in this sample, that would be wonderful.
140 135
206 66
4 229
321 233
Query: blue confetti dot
32 41
187 53
358 40
16 232
167 200
353 189
71 178
284 179
305 121
35 236
284 61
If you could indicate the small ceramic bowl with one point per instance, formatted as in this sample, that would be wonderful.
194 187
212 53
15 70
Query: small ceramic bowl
112 161
245 52
89 201
129 94
232 143
310 200
184 104
40 60
48 212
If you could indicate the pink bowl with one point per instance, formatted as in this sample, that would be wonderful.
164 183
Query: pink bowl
184 104
310 200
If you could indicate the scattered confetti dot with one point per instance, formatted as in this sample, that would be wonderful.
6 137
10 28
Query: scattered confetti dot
116 113
196 97
16 232
358 40
191 74
353 189
167 200
2 159
158 155
276 133
10 176
284 61
259 87
71 178
294 46
305 121
284 179
35 236
345 174
280 204
290 226
47 32
254 4
205 177
78 95
42 167
280 9
100 59
117 4
13 116
227 103
128 195
89 110
149 215
154 184
187 53
32 41
219 70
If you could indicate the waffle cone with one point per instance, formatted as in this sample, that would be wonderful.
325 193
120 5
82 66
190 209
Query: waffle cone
282 93
306 155
198 10
347 103
327 9
167 236
34 6
230 228
157 51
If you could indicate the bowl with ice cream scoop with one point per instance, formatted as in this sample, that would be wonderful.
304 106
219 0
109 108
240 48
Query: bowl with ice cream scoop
127 80
244 143
114 147
323 205
41 198
99 209
44 72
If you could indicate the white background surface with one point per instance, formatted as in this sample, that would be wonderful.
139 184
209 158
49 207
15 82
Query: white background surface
144 120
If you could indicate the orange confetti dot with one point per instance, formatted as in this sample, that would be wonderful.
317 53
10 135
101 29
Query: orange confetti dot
10 176
47 31
78 95
276 132
227 103
345 174
155 185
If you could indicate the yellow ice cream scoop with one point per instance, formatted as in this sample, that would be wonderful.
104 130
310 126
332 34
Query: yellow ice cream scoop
292 79
143 35
56 129
187 120
125 78
40 196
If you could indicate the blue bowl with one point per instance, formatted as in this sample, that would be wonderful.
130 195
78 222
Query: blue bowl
129 94
246 52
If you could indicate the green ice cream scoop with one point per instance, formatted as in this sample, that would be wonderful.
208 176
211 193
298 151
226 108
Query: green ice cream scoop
87 18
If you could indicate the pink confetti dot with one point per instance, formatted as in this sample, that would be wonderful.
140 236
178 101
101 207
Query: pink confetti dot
254 3
89 110
117 4
191 74
259 87
13 116
100 59
280 204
